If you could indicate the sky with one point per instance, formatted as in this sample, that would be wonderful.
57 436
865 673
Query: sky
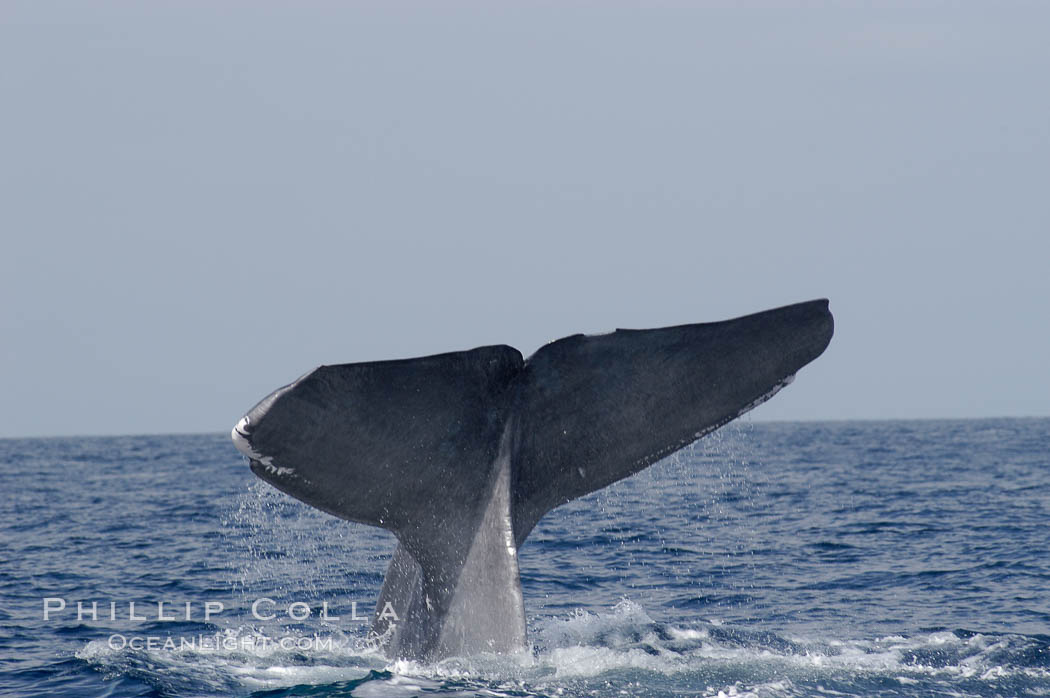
201 201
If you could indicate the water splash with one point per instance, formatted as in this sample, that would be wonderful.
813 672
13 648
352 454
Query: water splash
291 550
609 653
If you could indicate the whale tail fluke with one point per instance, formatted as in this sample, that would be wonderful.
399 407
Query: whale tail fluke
461 454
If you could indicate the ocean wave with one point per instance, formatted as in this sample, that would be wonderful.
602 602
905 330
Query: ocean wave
605 653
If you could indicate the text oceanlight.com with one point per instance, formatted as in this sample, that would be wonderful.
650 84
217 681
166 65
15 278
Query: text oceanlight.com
219 641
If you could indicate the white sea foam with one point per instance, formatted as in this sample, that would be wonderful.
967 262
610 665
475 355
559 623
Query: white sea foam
600 653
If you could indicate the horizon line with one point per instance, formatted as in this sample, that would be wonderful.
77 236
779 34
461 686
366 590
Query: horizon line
832 420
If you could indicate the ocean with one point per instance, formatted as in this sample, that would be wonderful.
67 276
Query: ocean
881 558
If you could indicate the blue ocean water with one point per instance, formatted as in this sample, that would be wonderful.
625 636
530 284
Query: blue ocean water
906 558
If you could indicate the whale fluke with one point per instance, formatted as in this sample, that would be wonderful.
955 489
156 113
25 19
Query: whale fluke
461 454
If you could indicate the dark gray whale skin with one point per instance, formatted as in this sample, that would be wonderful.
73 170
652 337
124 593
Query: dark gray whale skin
461 454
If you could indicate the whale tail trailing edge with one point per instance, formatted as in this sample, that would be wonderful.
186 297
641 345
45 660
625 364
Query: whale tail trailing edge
461 454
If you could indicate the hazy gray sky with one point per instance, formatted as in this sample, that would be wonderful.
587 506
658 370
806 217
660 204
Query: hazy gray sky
199 201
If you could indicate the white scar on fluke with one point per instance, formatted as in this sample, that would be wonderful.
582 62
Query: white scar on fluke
240 441
461 454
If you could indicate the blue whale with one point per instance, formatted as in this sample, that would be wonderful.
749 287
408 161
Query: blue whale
461 454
